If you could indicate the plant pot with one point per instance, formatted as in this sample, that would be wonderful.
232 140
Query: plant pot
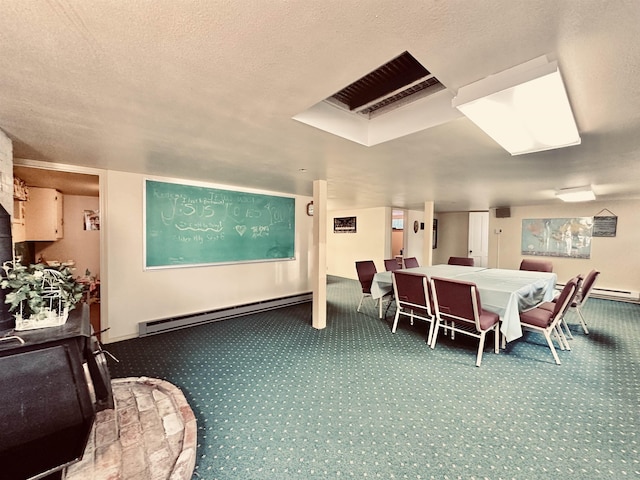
45 318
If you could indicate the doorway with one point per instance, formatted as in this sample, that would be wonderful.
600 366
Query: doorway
479 238
397 234
79 244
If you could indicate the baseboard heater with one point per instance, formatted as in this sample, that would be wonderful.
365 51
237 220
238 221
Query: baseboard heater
612 294
174 323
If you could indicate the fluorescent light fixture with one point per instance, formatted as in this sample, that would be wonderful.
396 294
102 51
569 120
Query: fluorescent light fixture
525 109
578 194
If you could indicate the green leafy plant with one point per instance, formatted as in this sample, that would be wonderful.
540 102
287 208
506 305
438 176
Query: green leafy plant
35 288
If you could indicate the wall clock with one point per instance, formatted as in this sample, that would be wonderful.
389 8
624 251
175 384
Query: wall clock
310 209
416 226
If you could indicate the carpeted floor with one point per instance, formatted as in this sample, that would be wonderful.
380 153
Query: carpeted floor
276 399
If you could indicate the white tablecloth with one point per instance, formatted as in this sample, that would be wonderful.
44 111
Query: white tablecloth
509 292
505 292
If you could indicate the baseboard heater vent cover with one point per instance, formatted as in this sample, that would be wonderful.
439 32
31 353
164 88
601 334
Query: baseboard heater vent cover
152 327
611 294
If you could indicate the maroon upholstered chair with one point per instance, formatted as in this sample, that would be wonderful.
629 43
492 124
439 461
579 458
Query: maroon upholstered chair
582 295
464 261
411 262
543 321
536 265
412 299
458 309
366 270
562 324
391 264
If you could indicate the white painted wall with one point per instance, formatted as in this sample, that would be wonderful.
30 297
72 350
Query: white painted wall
617 257
372 241
453 236
79 245
131 295
134 295
415 240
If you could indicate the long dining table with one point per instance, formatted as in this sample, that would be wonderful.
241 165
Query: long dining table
503 291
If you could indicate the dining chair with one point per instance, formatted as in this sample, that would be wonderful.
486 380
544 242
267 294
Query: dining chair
562 323
411 262
464 261
536 265
581 297
412 299
391 264
458 309
546 322
366 270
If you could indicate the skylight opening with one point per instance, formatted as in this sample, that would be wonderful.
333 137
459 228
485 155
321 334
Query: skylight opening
392 85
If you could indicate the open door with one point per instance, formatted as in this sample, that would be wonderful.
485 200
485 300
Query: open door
78 244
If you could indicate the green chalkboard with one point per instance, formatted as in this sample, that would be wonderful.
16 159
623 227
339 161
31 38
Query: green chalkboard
192 225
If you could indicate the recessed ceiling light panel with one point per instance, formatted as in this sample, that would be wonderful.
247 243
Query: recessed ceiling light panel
577 194
525 109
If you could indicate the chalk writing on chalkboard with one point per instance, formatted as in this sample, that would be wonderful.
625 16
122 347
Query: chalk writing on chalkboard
193 225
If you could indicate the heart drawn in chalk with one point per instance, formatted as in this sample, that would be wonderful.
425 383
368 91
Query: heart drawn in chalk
241 229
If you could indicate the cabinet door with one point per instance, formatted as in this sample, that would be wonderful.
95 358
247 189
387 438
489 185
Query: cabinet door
59 218
18 231
43 215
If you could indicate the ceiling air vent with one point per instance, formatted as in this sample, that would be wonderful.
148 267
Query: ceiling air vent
396 83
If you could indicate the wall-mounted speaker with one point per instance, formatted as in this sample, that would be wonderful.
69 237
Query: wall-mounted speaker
503 212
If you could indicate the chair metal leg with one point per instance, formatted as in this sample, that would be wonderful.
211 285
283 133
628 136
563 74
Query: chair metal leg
562 340
557 335
563 323
496 334
480 349
430 334
434 338
547 335
395 321
583 322
360 304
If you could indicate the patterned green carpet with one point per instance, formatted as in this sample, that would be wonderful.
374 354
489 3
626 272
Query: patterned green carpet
278 399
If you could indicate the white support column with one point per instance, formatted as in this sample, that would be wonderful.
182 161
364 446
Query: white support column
319 267
427 252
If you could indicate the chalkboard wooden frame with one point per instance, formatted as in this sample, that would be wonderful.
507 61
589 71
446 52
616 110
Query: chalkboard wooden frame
187 225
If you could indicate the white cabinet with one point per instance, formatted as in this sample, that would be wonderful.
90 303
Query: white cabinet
18 229
43 215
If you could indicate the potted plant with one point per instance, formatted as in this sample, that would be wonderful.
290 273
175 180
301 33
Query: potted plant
39 295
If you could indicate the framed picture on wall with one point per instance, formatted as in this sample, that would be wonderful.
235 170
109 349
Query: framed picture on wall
435 234
91 220
344 225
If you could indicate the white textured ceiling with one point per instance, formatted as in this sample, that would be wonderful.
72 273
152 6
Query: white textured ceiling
206 90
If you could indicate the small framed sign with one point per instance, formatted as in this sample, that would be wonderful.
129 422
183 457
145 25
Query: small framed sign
605 226
344 225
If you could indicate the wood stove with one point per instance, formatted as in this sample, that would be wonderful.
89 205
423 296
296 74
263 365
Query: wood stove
52 383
